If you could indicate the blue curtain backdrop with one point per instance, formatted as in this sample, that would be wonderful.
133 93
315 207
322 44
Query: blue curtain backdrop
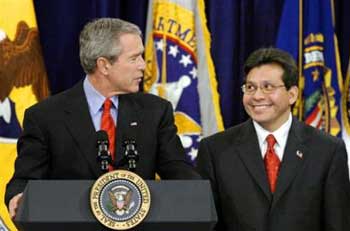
237 28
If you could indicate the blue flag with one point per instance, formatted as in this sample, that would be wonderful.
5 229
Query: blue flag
180 68
307 32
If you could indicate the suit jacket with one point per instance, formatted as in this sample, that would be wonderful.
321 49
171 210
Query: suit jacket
59 140
312 191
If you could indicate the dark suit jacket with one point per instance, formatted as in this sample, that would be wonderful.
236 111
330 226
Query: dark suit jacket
59 140
312 191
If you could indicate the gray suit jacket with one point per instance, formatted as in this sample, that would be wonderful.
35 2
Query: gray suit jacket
59 140
312 192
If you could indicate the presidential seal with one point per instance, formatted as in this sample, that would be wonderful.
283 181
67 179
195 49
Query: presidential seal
120 199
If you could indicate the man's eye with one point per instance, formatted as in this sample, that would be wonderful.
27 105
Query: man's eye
250 87
268 86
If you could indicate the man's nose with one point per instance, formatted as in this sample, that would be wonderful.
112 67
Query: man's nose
142 64
258 93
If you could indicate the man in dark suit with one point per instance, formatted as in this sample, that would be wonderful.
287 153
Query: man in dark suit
59 136
274 173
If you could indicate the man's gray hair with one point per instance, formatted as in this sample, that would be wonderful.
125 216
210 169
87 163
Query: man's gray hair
100 38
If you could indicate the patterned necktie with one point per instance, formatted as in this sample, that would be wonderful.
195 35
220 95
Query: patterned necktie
107 124
272 162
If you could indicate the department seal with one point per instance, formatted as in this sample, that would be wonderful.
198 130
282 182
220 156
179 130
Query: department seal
120 199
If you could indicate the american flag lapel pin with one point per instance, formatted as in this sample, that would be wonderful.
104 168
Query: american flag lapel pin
299 154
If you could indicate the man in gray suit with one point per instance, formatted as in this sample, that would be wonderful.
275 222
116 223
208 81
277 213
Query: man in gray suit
272 172
59 135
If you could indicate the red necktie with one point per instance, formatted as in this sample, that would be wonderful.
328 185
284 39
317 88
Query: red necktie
107 124
272 162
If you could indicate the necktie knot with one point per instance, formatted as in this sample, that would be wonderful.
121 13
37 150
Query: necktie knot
107 104
271 141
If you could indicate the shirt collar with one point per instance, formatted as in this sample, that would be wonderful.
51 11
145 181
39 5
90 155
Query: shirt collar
281 134
95 99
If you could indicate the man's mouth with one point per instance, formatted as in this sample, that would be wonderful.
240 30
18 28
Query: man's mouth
261 106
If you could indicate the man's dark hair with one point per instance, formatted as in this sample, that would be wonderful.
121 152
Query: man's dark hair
273 55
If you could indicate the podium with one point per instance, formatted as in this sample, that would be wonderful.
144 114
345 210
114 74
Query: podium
176 205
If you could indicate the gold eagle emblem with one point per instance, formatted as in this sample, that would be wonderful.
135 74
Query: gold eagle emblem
21 63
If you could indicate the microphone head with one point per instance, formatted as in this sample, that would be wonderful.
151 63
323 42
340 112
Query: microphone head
101 136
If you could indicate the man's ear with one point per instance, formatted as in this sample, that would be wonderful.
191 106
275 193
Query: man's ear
102 65
293 94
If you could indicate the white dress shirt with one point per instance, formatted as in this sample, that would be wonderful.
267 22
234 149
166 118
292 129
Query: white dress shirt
95 101
281 135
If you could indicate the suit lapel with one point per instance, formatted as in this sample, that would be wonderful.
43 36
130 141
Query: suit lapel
293 159
129 123
80 125
250 154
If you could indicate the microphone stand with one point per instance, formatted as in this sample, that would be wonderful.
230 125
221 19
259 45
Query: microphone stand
103 154
131 154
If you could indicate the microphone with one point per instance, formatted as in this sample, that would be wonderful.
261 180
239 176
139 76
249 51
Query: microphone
103 154
131 154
